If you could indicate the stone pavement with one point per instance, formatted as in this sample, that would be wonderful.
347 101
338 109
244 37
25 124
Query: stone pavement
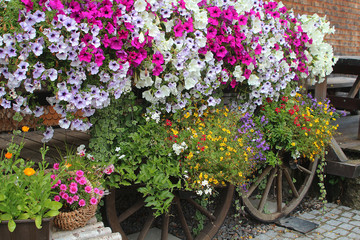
335 222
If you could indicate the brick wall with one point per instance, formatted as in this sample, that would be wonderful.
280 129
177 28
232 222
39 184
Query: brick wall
343 14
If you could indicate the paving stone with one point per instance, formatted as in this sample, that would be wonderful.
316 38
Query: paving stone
331 215
291 235
355 223
341 232
357 217
336 211
347 214
271 233
356 230
334 222
307 216
346 226
261 237
330 235
344 219
331 205
316 212
325 228
343 238
354 236
355 211
344 208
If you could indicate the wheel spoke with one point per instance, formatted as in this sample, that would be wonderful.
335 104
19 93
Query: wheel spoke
182 219
257 182
165 227
279 191
201 209
301 168
291 184
267 190
130 211
146 227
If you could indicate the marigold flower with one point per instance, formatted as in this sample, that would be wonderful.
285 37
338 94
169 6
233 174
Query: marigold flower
25 128
29 171
8 155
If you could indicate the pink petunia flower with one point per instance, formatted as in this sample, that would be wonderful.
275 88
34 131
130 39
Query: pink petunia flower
73 189
56 167
75 198
93 201
65 196
96 190
70 200
63 187
214 11
57 198
79 173
82 202
88 189
158 58
157 70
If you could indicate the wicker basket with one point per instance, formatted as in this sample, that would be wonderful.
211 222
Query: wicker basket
77 218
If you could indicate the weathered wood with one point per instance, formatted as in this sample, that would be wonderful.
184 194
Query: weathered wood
355 88
320 90
345 103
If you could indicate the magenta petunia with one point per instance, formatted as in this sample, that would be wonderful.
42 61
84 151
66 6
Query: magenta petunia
116 43
79 173
57 198
158 58
221 52
178 29
157 70
88 189
82 202
63 187
93 201
73 190
247 73
214 11
56 166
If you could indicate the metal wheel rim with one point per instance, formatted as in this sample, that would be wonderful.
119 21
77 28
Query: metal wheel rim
290 206
208 232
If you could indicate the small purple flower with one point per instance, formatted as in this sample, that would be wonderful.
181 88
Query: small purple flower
37 48
48 134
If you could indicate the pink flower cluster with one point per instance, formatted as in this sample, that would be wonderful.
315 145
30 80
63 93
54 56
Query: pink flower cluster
73 191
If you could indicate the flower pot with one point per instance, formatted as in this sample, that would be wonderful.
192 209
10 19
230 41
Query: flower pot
26 230
75 219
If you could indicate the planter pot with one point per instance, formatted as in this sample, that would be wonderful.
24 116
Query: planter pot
26 230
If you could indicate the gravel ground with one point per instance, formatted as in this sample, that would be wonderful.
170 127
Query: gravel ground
244 227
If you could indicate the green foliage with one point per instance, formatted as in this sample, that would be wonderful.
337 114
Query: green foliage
122 136
24 193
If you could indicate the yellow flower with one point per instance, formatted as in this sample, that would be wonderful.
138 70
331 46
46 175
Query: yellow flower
190 155
29 171
175 132
293 144
67 165
8 155
187 115
25 128
240 174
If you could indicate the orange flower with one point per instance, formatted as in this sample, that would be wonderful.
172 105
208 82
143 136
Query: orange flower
67 165
29 171
8 155
25 128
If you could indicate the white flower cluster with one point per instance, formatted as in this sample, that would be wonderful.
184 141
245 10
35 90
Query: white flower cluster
179 148
320 54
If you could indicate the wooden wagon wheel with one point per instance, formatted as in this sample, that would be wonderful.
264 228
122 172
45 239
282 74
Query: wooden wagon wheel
117 214
278 190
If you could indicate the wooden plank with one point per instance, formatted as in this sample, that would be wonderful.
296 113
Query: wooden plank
355 88
347 65
320 90
71 138
345 103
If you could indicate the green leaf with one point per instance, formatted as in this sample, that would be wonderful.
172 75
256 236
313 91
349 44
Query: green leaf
52 213
38 220
24 216
53 205
2 197
5 217
11 225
